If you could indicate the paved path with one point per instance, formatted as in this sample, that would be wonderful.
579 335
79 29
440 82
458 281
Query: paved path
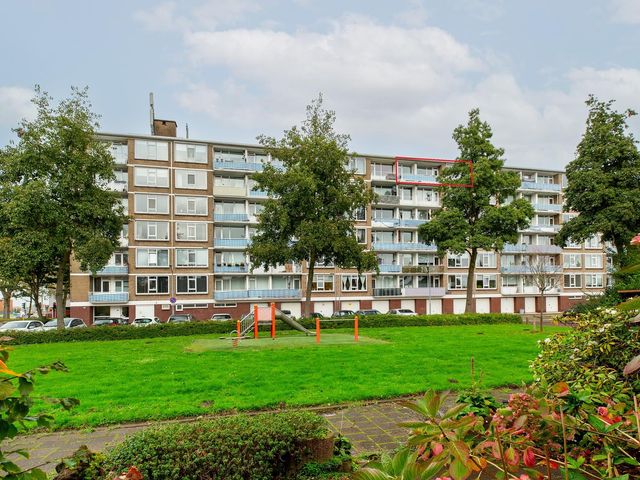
371 427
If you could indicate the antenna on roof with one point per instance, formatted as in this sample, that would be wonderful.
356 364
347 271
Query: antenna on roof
187 126
152 115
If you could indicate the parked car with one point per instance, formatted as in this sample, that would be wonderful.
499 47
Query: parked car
401 311
110 321
364 313
145 321
343 313
180 318
221 316
23 326
316 315
69 322
288 314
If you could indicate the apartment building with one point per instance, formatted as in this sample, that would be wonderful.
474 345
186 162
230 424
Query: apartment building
194 210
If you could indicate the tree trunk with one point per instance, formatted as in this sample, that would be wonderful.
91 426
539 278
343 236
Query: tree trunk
470 306
307 302
61 297
542 308
6 303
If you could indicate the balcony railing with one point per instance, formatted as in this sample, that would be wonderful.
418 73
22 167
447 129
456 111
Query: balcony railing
411 222
525 248
117 186
230 268
515 269
119 297
389 268
258 193
550 187
547 207
425 292
423 269
387 292
543 228
385 222
231 242
272 293
396 247
238 165
410 177
231 217
388 200
113 270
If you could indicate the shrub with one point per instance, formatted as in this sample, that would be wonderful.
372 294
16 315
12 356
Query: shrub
225 328
609 298
631 305
591 357
258 447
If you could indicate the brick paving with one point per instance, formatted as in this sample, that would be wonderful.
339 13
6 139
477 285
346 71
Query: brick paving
371 428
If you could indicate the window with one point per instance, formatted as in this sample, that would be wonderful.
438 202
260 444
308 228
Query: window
191 231
509 281
228 182
101 285
152 230
192 257
152 257
119 152
424 215
189 152
120 259
486 260
429 259
151 285
406 214
360 215
255 208
458 261
381 170
486 282
191 179
151 203
406 259
545 221
322 263
593 261
593 242
354 283
191 284
229 208
226 284
383 214
426 195
572 244
191 205
406 193
151 177
322 283
386 259
382 191
358 165
572 280
406 281
572 260
361 235
151 150
230 259
230 232
285 281
457 282
258 283
381 237
593 280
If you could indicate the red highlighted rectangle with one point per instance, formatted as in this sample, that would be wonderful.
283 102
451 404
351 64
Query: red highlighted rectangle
435 161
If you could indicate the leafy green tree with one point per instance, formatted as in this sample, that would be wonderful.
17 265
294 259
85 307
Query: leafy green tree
53 182
312 200
604 181
484 217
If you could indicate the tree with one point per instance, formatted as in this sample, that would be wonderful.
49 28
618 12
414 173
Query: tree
603 181
53 186
312 200
545 275
483 217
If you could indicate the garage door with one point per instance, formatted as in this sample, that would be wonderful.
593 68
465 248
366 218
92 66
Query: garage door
436 307
529 305
551 304
355 306
294 308
325 308
145 311
458 305
506 305
410 304
380 305
483 305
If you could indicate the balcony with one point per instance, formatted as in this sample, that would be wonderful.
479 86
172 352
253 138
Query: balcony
411 222
116 297
547 207
287 268
231 217
430 269
418 178
387 292
231 242
398 247
258 194
385 222
388 200
117 186
230 268
240 166
113 270
539 186
518 269
257 294
425 292
389 268
525 248
543 228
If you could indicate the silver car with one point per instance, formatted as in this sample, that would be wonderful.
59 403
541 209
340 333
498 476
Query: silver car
145 321
402 311
23 326
69 322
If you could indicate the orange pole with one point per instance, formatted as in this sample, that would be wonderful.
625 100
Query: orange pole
255 321
317 330
273 321
238 327
355 330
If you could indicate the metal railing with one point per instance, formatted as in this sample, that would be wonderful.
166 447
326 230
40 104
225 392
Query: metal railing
231 217
119 297
113 270
230 242
550 187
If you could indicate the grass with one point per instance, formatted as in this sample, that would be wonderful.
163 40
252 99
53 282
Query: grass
161 378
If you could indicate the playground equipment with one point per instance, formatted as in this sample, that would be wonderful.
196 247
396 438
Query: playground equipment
266 316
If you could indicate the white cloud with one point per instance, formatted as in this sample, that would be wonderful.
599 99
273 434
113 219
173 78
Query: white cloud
626 11
15 104
396 90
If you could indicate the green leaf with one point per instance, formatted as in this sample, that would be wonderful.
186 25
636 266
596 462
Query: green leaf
459 470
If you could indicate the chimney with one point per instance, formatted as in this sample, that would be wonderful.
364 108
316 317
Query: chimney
165 128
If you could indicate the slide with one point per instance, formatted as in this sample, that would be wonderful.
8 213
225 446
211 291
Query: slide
291 322
247 322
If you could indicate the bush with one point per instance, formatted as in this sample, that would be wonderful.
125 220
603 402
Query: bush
591 357
609 298
263 446
631 305
225 328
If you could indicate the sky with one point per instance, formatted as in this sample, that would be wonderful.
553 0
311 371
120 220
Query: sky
401 75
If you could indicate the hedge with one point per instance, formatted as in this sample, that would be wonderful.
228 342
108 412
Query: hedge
225 328
259 447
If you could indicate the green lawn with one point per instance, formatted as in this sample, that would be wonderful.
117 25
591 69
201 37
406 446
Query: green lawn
158 378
